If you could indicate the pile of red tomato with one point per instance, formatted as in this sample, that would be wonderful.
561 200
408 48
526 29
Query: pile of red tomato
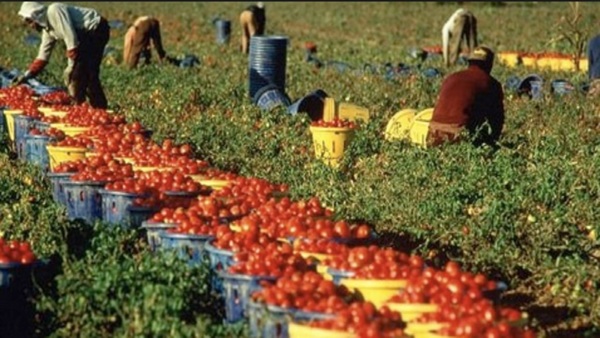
334 123
255 220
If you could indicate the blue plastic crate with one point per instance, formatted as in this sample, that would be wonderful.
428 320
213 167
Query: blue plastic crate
15 275
36 152
22 125
84 200
41 126
3 128
189 247
138 215
115 206
237 290
153 231
219 260
338 275
268 321
56 180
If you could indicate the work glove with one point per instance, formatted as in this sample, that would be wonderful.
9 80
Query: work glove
19 80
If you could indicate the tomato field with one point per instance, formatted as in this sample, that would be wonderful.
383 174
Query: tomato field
506 235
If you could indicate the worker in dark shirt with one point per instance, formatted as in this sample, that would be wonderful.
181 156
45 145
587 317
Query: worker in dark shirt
594 66
253 21
469 99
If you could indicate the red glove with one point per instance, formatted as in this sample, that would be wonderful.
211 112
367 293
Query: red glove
72 54
36 66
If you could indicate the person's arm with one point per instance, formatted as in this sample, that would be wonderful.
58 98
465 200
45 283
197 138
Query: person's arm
44 53
445 37
156 39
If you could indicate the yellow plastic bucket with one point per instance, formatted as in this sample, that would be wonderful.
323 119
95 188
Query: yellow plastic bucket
399 125
10 121
45 110
59 114
420 127
377 291
511 59
330 143
147 169
125 159
214 184
297 330
421 329
318 256
69 130
410 311
583 65
59 155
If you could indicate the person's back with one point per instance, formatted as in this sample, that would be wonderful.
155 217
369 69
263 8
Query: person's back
468 99
137 40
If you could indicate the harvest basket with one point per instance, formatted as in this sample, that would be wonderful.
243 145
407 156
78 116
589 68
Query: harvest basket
187 246
420 127
36 152
331 143
412 311
153 231
10 114
84 200
56 180
237 289
115 206
69 130
59 155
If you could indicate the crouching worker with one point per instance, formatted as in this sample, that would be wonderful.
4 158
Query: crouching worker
469 99
145 30
253 22
85 34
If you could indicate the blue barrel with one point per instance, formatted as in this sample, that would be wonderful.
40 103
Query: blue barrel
36 152
512 83
313 104
532 86
267 62
269 97
22 125
223 31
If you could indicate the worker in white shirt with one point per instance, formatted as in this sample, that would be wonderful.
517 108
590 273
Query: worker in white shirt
460 30
85 34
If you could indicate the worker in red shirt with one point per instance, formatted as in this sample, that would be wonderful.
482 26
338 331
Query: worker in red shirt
469 99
